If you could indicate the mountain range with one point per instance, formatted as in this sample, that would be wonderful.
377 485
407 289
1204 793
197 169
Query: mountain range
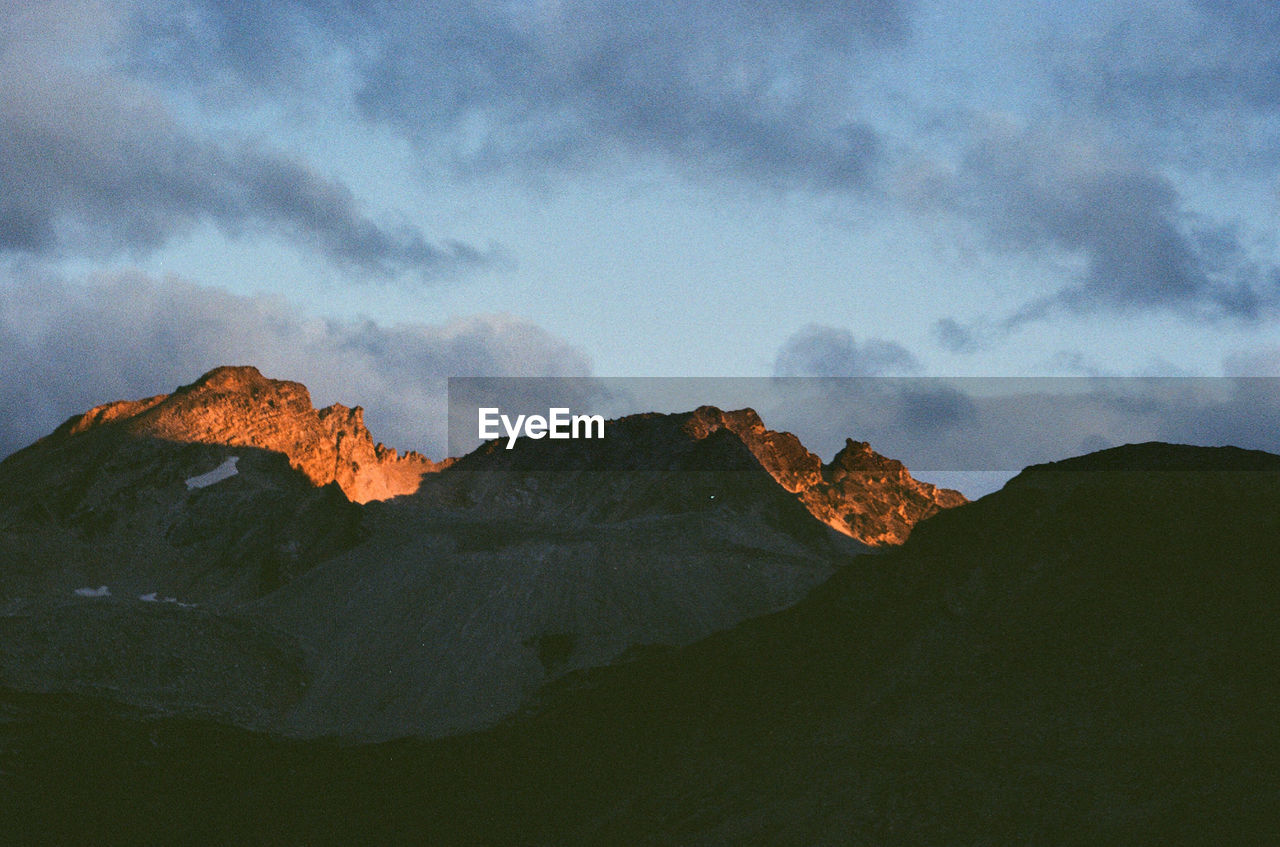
378 595
691 632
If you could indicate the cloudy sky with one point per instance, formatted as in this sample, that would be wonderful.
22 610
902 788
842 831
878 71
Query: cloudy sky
371 197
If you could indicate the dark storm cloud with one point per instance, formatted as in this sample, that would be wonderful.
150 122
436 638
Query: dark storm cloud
69 347
752 88
1066 191
817 350
325 214
1142 96
755 88
93 161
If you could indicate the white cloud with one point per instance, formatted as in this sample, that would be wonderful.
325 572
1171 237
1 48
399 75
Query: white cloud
69 347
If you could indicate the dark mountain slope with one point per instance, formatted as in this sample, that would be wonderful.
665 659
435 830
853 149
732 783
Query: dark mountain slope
1088 656
111 509
471 594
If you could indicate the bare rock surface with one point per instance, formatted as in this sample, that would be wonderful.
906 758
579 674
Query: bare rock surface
859 492
238 406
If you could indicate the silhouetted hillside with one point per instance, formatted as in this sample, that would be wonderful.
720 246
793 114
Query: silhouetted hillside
1087 656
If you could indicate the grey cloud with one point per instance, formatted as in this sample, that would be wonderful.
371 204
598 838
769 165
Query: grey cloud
1264 361
1065 190
1202 79
955 337
756 88
68 347
325 214
263 42
1236 60
817 350
95 162
926 407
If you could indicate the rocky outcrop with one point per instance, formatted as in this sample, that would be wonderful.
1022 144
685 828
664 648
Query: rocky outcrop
238 406
859 492
730 454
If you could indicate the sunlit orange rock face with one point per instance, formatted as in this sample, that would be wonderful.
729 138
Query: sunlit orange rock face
859 492
238 406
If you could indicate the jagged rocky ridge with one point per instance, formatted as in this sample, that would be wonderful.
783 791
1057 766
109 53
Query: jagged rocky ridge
433 612
239 407
859 492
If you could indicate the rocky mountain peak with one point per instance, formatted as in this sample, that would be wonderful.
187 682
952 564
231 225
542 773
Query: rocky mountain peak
239 407
704 420
104 414
245 378
858 456
859 493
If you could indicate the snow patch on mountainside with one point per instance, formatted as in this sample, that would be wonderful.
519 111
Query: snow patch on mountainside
154 597
226 470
